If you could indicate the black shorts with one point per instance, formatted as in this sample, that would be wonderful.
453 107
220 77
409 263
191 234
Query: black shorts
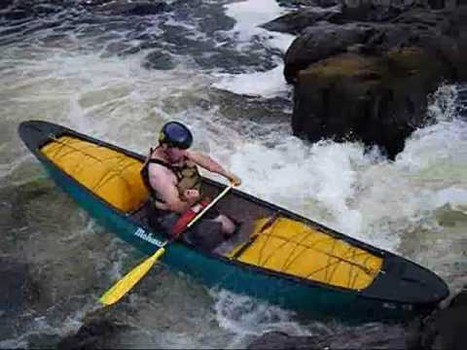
206 234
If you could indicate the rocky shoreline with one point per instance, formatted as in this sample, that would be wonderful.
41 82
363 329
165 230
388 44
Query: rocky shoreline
364 71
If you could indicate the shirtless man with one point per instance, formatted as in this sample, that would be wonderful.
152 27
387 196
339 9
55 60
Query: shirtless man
171 175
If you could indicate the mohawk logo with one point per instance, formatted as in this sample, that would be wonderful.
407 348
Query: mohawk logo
141 233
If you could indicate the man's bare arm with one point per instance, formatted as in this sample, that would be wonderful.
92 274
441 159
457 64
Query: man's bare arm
210 164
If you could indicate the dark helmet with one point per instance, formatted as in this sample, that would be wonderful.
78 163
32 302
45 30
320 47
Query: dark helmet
175 134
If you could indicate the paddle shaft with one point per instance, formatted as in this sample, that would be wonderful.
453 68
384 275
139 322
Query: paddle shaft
199 215
210 205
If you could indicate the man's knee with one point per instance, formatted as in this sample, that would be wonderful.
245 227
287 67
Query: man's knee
206 235
228 225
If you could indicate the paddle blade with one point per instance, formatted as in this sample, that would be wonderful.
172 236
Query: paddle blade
123 286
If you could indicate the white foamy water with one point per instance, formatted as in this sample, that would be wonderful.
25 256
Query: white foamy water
263 84
249 15
247 318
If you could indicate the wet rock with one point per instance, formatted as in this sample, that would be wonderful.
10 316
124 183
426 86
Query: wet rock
158 60
365 336
21 9
372 12
309 3
14 14
5 3
320 42
395 65
280 340
309 12
128 7
462 101
296 21
100 331
378 100
427 29
93 2
445 328
17 290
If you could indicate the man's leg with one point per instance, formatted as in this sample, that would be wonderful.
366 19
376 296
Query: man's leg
228 226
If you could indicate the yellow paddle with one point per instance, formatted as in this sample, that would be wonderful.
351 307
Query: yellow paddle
123 286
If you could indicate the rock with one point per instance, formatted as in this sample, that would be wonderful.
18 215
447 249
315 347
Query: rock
443 33
93 2
376 99
158 60
369 81
309 3
462 101
320 42
129 7
14 14
17 290
444 329
20 9
296 21
280 340
5 3
100 330
372 11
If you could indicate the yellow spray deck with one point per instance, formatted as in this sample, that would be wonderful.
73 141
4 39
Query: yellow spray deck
110 175
293 248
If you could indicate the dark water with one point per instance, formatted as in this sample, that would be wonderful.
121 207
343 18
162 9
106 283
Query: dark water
120 78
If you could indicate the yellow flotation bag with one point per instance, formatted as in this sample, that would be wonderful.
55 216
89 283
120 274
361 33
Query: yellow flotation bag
110 175
293 248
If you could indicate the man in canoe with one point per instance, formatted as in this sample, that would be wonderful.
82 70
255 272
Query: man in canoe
171 176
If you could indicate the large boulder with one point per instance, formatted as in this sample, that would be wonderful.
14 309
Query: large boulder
320 42
375 99
21 9
309 3
369 81
281 340
126 7
18 290
6 3
99 331
296 21
445 328
373 11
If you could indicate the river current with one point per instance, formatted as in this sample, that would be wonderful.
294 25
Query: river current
210 65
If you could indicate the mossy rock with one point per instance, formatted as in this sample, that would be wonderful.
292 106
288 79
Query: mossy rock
340 67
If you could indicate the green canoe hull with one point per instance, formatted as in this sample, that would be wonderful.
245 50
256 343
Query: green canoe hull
214 271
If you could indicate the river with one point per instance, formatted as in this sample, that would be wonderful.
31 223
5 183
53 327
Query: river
208 64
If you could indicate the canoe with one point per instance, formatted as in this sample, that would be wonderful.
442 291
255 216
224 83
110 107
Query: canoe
277 256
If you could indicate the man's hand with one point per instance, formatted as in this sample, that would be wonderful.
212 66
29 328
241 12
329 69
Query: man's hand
210 164
234 179
191 196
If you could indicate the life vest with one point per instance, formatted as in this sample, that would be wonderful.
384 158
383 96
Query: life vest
188 177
